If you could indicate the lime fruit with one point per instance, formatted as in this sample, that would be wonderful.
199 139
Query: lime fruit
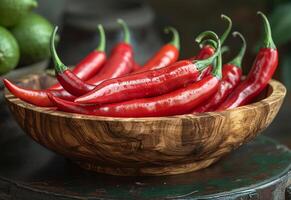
9 51
11 11
33 36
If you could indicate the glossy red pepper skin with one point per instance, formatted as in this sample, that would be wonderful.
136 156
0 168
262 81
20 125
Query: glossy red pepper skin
70 82
37 97
92 63
136 67
204 53
88 67
261 72
231 77
167 55
145 84
177 102
120 63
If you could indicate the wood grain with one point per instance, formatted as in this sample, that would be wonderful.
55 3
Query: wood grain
145 146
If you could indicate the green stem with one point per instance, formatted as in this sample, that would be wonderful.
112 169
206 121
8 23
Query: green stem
237 61
224 49
217 71
201 64
1 56
268 41
208 42
227 31
126 32
102 40
176 38
59 66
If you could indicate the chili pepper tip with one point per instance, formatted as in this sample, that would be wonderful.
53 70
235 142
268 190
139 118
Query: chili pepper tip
237 61
227 31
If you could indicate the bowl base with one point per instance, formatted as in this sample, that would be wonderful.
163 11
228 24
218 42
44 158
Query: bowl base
147 171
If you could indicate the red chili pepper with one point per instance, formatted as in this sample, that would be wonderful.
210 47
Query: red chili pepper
36 97
116 65
92 63
121 60
69 81
167 55
261 72
180 101
136 67
231 77
147 84
207 48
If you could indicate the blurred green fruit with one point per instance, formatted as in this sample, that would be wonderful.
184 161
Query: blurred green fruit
12 11
33 36
9 51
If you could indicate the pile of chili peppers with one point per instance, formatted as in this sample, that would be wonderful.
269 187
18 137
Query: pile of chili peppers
116 86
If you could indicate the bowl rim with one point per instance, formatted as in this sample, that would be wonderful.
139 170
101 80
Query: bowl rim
276 94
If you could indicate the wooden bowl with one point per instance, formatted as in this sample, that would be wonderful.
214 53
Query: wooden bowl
145 146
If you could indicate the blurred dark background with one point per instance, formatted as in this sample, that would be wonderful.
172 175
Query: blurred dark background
147 18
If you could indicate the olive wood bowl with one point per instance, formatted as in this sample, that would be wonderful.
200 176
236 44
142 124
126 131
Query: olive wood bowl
145 146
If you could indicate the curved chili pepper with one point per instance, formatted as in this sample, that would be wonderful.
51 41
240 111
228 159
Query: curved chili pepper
115 66
167 55
231 77
125 67
36 97
261 72
92 63
207 49
121 60
147 84
69 81
177 102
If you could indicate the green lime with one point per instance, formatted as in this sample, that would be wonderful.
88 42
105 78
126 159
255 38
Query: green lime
9 51
33 34
11 11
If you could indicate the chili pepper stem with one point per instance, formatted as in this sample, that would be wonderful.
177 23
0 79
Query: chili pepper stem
237 61
59 66
227 31
1 56
201 64
224 49
268 41
176 38
126 32
208 42
102 40
217 71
